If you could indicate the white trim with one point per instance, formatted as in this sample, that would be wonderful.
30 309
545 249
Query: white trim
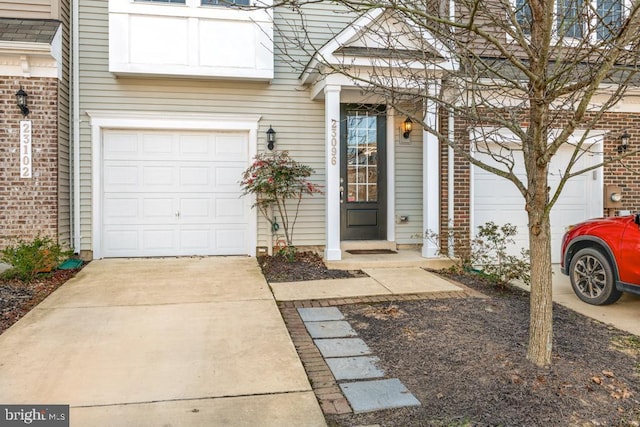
75 126
332 250
431 175
391 175
29 59
101 120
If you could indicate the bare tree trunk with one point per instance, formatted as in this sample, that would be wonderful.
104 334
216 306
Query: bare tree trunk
540 317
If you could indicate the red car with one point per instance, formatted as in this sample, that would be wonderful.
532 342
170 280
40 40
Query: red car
602 258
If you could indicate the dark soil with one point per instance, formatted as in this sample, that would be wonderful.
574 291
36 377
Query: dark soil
305 266
465 361
17 298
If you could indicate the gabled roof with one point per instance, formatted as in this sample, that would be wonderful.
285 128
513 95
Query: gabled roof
380 35
28 30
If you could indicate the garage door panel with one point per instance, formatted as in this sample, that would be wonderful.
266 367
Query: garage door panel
497 199
120 241
158 239
196 209
230 147
230 209
228 239
121 209
174 193
228 178
196 176
156 176
157 210
120 145
198 145
196 240
120 175
157 145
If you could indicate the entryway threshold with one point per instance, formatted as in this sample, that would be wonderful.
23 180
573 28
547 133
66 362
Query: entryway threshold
380 282
402 258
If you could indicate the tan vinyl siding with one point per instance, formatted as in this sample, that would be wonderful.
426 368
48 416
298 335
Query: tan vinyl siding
283 104
32 9
64 137
409 187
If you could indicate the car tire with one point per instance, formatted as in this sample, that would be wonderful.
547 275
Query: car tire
592 277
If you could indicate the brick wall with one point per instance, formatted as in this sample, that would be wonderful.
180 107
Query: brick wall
625 173
29 206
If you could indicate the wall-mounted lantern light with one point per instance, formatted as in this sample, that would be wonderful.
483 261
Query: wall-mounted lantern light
407 127
271 138
624 142
21 100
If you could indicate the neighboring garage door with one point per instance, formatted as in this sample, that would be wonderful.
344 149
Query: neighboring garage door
497 199
173 193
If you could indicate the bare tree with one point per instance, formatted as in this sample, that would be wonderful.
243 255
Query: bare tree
523 77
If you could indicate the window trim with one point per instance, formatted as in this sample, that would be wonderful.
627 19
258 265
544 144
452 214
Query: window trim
592 22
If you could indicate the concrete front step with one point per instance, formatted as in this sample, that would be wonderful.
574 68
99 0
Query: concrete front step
403 258
347 245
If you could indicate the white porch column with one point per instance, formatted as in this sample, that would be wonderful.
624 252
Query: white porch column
332 250
430 175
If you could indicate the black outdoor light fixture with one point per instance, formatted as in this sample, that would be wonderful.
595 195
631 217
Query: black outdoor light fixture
271 138
624 142
407 127
21 100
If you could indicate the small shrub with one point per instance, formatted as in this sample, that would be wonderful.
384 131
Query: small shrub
279 182
28 258
488 255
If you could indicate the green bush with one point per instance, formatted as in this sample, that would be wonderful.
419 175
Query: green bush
487 254
28 258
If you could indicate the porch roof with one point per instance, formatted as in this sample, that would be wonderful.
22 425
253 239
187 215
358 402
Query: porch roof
28 30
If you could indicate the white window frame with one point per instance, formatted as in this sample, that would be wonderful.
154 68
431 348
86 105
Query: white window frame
626 5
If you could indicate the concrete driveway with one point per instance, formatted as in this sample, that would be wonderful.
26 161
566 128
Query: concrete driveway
160 342
624 314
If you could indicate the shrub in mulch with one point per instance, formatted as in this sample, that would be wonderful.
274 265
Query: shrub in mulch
17 298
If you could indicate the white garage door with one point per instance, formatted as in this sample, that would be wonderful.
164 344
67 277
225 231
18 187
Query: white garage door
173 193
497 199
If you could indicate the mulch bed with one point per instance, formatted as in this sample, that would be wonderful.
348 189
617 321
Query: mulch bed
17 298
306 265
464 359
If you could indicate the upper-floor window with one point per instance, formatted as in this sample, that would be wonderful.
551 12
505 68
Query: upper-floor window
205 2
165 1
225 2
578 18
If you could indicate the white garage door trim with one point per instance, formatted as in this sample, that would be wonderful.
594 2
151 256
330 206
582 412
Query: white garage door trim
102 120
593 183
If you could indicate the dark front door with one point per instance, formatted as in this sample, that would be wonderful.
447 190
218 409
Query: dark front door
362 178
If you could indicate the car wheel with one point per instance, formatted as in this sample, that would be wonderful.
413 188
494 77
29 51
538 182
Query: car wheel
592 278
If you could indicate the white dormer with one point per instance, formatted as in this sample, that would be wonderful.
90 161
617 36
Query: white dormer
190 38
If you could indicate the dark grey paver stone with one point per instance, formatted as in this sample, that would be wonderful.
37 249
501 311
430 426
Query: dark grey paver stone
354 368
342 347
365 396
318 314
330 329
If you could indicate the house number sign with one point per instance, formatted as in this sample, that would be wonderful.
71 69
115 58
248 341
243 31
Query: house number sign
25 148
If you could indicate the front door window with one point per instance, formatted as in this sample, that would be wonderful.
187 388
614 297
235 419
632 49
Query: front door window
363 210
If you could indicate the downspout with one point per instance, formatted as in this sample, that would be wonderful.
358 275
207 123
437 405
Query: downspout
75 107
450 178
